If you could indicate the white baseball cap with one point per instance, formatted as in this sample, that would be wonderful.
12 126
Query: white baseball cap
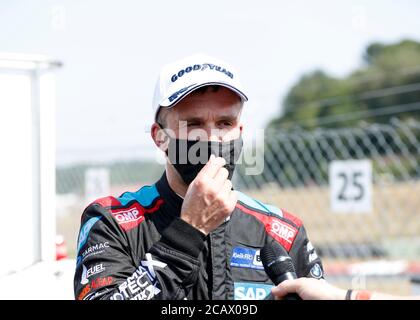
178 79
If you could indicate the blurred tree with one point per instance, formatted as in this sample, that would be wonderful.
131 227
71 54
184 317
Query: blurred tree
386 85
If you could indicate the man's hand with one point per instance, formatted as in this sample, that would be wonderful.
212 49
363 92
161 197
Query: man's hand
209 199
309 289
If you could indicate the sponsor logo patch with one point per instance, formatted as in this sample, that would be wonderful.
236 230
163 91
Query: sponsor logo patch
128 218
316 271
312 252
176 94
313 256
84 232
251 290
131 217
87 273
309 246
281 231
92 250
246 258
143 284
101 282
284 231
95 284
202 67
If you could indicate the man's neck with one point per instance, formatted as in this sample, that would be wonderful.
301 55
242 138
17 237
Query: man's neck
175 181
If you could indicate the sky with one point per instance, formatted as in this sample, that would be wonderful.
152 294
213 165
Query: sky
112 51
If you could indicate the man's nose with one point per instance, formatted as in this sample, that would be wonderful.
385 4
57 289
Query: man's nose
215 134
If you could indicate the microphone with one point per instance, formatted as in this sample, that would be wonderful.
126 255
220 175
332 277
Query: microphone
279 267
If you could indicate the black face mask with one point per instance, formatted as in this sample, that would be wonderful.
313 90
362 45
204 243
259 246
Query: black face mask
189 156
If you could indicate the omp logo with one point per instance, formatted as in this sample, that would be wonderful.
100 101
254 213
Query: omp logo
128 218
251 291
283 231
131 217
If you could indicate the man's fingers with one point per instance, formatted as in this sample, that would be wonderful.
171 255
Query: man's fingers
284 288
211 167
226 187
221 177
278 292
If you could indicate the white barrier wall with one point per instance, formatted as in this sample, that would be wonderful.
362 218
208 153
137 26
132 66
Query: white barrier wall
27 161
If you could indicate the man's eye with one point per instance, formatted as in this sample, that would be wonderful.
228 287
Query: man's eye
193 124
227 123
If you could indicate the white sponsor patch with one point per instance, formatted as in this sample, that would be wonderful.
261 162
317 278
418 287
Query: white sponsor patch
313 256
127 216
87 273
309 246
283 231
251 291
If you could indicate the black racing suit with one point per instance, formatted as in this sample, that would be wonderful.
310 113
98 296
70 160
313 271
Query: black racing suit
137 247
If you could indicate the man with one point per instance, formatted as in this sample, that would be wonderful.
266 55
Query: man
190 235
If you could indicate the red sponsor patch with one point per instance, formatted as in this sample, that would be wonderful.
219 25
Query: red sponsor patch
101 282
95 284
280 230
131 217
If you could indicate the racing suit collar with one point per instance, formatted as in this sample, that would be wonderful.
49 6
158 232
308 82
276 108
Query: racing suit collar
172 199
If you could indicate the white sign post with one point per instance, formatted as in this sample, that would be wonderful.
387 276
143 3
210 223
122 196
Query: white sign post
351 186
97 183
27 162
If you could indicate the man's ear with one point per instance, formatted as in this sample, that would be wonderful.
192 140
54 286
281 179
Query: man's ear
159 137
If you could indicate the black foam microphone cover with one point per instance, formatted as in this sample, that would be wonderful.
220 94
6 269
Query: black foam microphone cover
279 267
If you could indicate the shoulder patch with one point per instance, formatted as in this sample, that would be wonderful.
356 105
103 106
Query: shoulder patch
280 230
129 209
130 217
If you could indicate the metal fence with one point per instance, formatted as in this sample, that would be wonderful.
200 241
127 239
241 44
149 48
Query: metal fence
296 177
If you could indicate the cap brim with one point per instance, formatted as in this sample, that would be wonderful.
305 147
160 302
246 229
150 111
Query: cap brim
169 104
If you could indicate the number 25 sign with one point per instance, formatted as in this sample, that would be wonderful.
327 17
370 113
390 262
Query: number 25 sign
351 186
